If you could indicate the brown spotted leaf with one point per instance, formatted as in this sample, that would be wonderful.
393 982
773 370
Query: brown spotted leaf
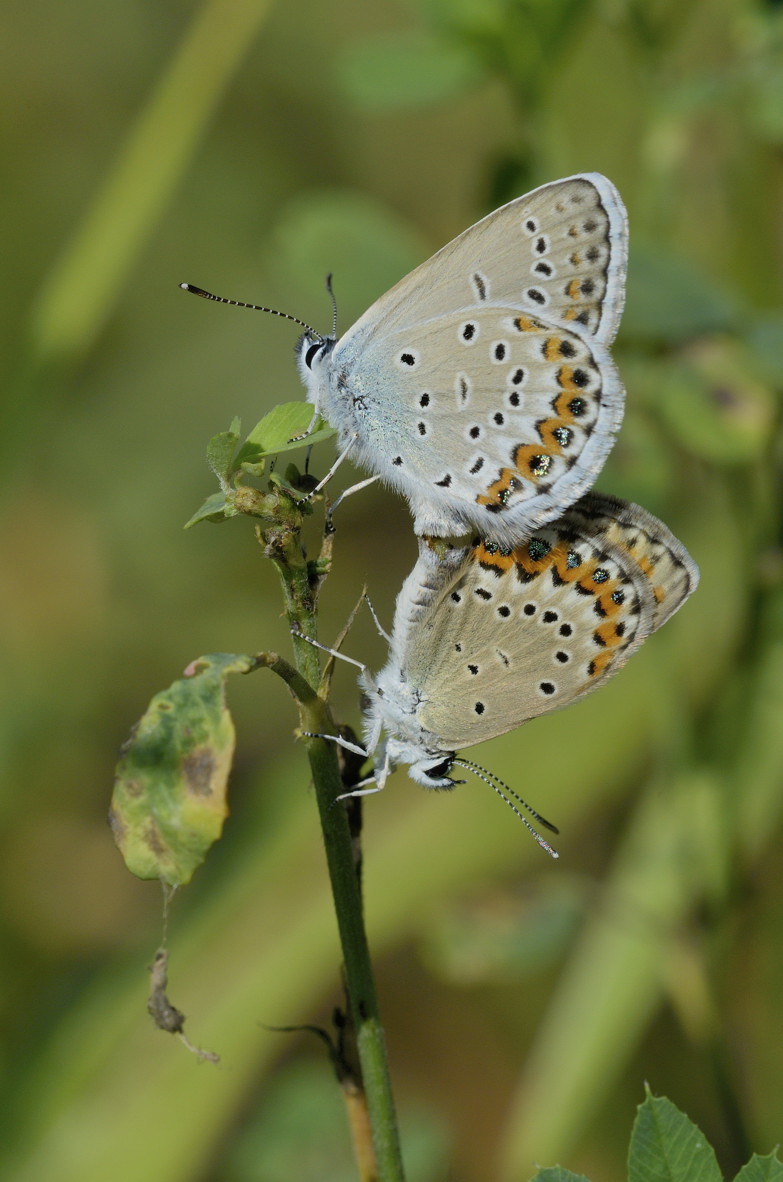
169 799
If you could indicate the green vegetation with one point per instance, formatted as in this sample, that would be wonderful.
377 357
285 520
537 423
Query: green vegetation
252 148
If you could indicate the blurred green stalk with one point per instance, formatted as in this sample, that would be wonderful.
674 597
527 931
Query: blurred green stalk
300 581
83 285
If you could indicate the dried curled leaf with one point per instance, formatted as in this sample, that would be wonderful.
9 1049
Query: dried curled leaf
165 1015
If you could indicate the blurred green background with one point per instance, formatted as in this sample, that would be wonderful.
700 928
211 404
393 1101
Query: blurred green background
250 147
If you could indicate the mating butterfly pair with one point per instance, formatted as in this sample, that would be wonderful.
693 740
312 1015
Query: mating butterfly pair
482 388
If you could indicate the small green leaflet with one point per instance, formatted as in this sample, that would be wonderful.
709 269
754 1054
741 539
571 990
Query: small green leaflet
275 433
169 799
666 1146
220 453
761 1169
215 508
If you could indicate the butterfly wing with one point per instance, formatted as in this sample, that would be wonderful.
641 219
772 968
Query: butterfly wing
558 252
492 419
481 385
504 635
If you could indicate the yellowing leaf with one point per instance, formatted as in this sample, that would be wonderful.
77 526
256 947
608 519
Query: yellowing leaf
169 799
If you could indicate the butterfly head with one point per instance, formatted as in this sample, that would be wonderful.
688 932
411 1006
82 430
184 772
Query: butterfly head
428 766
433 772
311 349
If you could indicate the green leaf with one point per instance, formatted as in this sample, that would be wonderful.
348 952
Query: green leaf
395 73
220 452
558 1174
668 1147
215 508
275 433
169 799
761 1169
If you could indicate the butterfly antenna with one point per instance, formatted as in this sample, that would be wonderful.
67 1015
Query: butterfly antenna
476 767
207 295
497 785
334 304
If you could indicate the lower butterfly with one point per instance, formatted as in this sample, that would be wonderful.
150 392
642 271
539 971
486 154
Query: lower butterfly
491 636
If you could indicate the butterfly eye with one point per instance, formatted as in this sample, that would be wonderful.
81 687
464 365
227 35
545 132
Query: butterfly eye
440 769
311 352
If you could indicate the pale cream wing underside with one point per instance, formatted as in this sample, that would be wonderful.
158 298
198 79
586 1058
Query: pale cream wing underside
509 637
559 252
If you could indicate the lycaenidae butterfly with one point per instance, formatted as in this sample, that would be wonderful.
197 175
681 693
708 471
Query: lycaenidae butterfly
481 385
490 636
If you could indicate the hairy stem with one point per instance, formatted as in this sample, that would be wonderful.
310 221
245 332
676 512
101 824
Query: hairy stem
300 581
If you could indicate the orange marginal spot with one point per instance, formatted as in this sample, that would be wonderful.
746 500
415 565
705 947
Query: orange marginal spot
576 259
530 565
609 607
493 557
606 635
528 324
565 379
599 662
574 289
562 408
603 592
500 490
570 314
552 349
586 583
645 564
531 460
570 574
546 429
659 593
555 556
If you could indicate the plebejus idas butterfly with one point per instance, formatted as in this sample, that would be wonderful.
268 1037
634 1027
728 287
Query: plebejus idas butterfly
490 636
481 385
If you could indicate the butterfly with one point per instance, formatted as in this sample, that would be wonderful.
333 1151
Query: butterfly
490 636
481 386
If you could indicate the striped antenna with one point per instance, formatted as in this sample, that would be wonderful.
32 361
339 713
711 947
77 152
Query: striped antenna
493 782
207 295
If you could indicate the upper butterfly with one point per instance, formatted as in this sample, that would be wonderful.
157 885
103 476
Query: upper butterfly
481 385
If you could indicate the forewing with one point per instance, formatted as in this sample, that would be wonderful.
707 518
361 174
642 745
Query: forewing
560 252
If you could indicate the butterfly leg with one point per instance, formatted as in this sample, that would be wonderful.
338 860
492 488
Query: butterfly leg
341 742
378 780
381 630
342 456
325 649
348 491
310 428
359 791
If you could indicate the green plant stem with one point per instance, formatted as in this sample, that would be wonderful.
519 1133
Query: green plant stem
300 584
